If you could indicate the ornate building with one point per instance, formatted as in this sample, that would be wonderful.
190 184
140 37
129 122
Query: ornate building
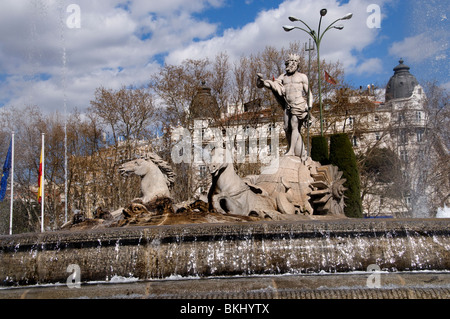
395 144
391 138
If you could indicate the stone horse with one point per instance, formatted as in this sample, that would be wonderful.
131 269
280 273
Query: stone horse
229 194
157 177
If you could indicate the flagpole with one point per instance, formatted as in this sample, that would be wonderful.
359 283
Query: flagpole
43 182
12 185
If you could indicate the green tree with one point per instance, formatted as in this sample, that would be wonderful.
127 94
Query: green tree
319 150
343 156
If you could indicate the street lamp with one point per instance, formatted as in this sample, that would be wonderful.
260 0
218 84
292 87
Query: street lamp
317 37
309 48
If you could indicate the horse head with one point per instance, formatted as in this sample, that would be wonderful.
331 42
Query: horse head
138 167
217 161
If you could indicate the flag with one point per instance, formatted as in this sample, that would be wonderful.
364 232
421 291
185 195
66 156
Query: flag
41 177
329 79
5 176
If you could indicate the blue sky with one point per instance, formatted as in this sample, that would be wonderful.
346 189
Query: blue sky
123 42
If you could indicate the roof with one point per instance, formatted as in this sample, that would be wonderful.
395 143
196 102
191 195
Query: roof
402 83
204 105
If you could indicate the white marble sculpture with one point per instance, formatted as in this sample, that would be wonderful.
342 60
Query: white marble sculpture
298 186
289 89
295 188
157 177
229 194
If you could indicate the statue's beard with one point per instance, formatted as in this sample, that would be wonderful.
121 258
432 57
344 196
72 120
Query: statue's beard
291 69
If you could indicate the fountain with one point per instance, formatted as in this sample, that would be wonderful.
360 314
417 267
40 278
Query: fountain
247 232
282 234
222 250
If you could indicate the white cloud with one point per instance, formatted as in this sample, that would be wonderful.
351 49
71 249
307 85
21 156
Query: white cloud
370 66
417 48
118 41
169 7
267 30
446 86
33 35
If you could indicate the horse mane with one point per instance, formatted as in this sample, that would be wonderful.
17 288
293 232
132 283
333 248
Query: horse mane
165 168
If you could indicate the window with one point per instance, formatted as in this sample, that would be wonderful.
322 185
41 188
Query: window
247 148
351 120
418 116
355 141
404 156
271 128
407 197
377 136
419 136
203 171
377 118
403 138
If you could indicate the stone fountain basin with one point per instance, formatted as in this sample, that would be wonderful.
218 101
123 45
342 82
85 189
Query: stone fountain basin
208 250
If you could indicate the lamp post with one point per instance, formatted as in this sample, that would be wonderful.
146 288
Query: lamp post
317 38
309 48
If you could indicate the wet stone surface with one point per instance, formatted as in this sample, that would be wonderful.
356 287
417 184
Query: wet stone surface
211 250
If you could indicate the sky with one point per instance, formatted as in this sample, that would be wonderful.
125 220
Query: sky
55 53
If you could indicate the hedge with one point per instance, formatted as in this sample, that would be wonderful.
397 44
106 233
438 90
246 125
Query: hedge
343 156
319 150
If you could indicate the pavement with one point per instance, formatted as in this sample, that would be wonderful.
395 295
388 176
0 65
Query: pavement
377 285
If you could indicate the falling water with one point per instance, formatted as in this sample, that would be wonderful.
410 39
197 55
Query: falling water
443 212
61 9
198 251
38 11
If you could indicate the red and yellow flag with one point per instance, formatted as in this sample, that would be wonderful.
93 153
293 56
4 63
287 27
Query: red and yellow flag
41 177
329 79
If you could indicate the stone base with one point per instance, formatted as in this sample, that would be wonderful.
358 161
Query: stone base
420 285
211 250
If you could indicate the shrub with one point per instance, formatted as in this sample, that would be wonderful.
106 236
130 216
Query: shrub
319 149
343 156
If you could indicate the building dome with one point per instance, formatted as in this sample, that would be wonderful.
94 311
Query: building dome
204 105
402 83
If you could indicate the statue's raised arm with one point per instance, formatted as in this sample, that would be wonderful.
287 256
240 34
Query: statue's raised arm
289 89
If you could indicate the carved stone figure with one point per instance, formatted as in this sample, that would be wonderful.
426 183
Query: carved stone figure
289 90
327 196
229 194
289 185
157 177
295 188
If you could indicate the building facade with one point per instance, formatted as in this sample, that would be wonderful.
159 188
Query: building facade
391 139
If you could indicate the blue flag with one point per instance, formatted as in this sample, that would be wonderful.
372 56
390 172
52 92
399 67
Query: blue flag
6 169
